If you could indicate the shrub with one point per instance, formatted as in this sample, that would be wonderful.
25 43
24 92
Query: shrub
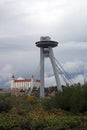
72 99
5 105
47 103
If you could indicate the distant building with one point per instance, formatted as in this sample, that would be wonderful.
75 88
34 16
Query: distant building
24 84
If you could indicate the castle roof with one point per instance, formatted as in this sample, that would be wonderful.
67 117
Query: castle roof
12 76
23 80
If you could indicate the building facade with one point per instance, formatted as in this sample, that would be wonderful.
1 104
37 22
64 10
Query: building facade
24 84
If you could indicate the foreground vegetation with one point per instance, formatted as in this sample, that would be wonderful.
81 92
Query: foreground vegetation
64 111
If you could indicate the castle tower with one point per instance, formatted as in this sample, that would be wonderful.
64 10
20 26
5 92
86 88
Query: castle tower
12 81
45 44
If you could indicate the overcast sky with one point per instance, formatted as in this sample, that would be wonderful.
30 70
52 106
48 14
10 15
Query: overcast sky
23 22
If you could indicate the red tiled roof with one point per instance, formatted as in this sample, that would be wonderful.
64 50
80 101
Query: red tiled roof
37 80
23 80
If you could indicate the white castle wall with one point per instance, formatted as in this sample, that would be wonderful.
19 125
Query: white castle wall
24 84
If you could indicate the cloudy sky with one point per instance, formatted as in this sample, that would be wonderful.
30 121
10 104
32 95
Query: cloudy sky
22 22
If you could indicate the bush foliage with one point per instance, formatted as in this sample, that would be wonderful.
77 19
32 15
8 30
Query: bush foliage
67 110
5 104
51 122
73 99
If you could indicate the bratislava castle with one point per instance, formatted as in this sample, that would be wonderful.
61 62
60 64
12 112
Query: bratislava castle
24 84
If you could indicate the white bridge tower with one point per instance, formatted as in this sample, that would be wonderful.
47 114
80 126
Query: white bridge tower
45 44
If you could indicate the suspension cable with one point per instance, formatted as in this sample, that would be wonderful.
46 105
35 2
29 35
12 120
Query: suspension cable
64 72
37 71
63 76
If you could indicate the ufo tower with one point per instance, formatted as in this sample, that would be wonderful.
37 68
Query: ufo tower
45 44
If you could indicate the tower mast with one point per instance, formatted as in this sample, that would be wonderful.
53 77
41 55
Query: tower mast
45 44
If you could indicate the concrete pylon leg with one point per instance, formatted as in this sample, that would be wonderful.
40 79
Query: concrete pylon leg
52 58
41 72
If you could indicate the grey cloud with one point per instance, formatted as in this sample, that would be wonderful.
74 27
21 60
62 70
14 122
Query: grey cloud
67 23
22 22
22 43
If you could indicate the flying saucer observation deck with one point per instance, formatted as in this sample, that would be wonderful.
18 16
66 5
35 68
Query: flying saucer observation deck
45 42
